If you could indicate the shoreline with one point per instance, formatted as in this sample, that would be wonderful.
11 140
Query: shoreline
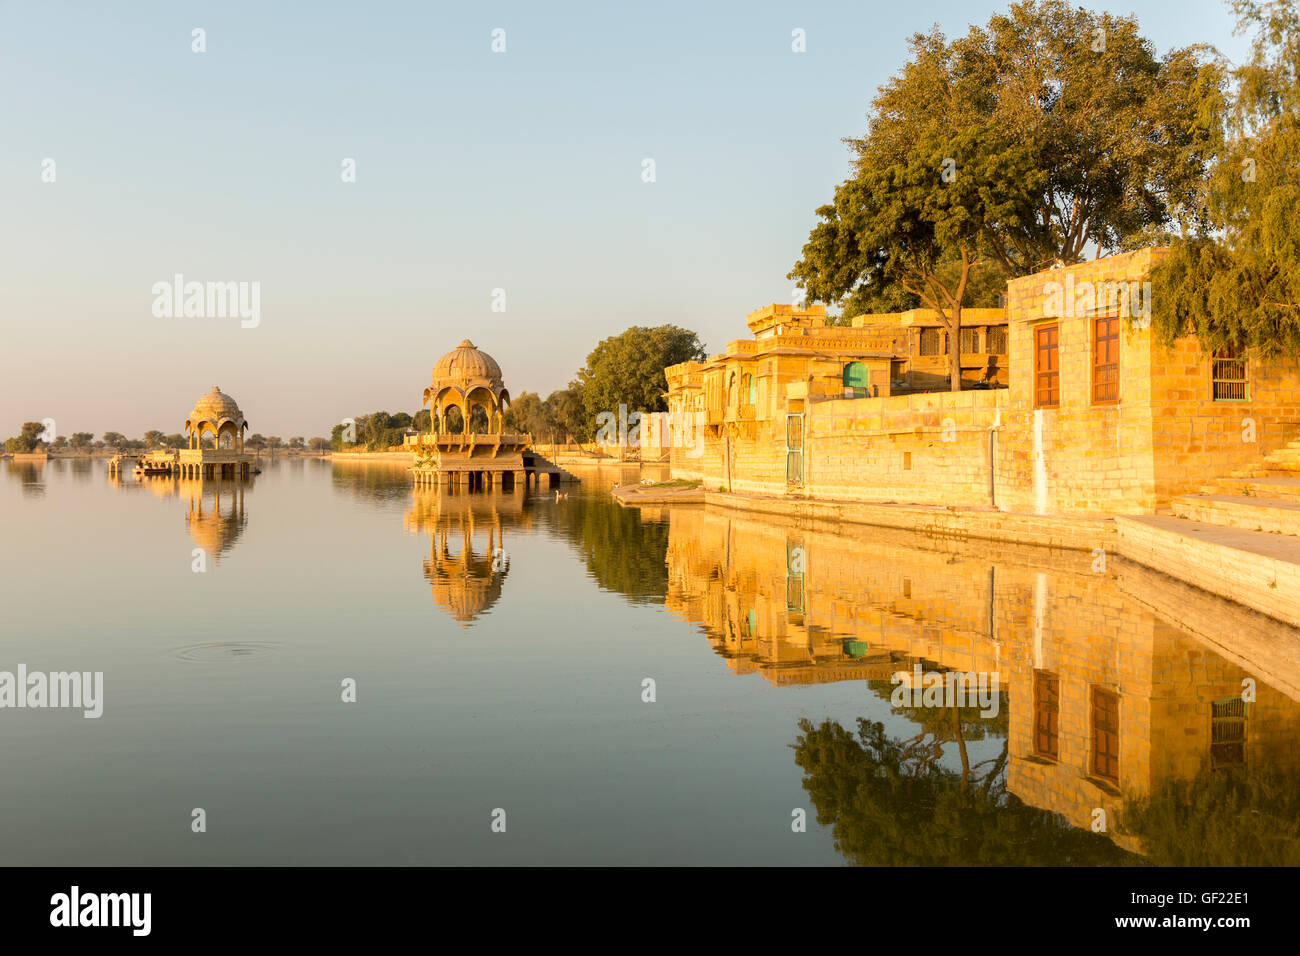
1255 570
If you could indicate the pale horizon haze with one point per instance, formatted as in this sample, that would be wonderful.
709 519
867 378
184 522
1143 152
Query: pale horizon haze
475 171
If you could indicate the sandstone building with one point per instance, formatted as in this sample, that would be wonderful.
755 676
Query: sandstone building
1097 417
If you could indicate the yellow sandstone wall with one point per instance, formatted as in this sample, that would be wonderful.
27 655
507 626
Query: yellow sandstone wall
1164 437
1196 438
1080 457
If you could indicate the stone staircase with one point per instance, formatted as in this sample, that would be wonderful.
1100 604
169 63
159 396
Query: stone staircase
1239 538
1264 497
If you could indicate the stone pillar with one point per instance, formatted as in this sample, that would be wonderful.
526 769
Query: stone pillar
520 480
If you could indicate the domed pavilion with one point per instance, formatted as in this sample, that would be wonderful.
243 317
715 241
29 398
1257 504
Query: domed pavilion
466 393
217 416
468 446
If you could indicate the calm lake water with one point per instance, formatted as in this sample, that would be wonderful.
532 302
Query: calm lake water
501 643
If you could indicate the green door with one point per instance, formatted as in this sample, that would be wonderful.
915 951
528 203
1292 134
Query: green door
794 449
855 378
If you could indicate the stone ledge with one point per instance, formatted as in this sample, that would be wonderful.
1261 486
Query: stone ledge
1256 569
1051 531
1261 646
1269 515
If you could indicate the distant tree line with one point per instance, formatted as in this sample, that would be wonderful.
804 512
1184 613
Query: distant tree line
29 440
378 430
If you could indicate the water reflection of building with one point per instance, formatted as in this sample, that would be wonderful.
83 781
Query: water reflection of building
29 475
468 559
215 516
1106 696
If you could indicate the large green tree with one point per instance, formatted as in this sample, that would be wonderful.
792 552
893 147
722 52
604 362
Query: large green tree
564 411
628 369
1236 279
1050 131
27 440
527 415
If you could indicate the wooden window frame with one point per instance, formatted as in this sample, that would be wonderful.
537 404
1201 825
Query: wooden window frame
1109 759
996 335
1233 358
1228 720
972 332
1112 322
1038 332
921 341
1053 734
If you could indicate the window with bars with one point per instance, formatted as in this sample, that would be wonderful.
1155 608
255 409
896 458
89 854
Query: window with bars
1105 360
970 341
1228 733
1047 367
1047 713
1228 374
997 338
1105 734
931 343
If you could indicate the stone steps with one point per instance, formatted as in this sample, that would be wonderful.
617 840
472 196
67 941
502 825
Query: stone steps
1266 486
1248 512
1254 568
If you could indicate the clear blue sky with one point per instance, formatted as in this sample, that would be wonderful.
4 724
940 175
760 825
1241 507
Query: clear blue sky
475 171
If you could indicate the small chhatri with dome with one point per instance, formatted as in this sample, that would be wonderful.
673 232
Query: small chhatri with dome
215 420
468 446
467 394
217 415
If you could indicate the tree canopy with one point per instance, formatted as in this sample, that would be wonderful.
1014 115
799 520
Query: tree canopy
27 440
1235 279
628 369
1019 145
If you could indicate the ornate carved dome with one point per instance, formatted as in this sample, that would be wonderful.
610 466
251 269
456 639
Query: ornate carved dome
462 371
465 364
215 408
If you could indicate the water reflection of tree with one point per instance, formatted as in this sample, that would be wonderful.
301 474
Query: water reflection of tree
890 802
1237 817
623 552
29 478
940 726
381 481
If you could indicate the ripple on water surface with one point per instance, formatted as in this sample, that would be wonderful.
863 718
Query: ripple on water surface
224 652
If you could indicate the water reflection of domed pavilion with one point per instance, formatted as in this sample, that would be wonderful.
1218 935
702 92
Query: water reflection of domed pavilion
468 562
214 514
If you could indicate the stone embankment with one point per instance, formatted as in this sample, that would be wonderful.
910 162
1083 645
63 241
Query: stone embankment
1239 539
